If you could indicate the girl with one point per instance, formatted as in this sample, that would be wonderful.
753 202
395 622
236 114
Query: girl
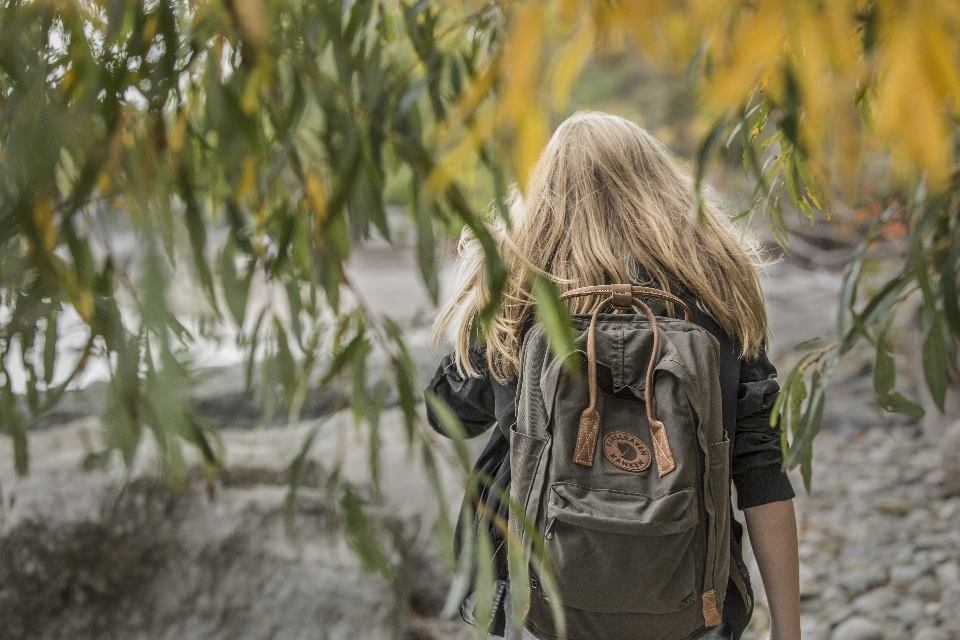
606 204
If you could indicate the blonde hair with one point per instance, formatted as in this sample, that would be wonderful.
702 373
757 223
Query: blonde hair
605 203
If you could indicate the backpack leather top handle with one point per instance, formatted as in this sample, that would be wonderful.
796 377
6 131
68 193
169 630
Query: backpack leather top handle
620 293
622 297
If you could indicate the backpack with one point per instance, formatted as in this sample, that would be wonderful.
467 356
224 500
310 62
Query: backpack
629 497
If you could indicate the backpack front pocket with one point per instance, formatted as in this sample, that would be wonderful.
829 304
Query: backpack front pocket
619 552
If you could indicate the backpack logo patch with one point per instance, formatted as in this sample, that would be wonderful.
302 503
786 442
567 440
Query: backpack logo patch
626 451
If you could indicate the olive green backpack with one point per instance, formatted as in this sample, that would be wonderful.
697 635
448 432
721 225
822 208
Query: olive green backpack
624 473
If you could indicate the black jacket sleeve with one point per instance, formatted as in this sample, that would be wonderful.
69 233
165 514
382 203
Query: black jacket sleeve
757 457
471 399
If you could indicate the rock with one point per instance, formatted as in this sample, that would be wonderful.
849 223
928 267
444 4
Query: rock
838 615
876 601
951 625
893 506
863 579
812 627
950 599
904 574
857 628
948 574
178 566
908 612
931 633
950 448
82 560
926 588
809 583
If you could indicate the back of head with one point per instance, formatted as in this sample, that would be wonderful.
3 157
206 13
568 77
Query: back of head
606 203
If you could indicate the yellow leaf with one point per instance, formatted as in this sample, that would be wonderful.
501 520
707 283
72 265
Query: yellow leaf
569 64
248 180
317 198
258 79
849 148
253 21
570 11
462 153
532 134
104 183
909 112
521 55
477 90
44 221
83 302
812 198
179 133
756 48
940 58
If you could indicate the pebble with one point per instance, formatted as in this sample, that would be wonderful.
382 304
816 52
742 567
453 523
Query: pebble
810 586
948 574
857 628
893 506
931 633
862 580
903 575
926 588
908 612
876 601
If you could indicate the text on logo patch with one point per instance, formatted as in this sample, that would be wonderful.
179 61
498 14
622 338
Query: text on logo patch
626 451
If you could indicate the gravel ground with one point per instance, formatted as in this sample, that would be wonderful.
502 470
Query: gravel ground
879 544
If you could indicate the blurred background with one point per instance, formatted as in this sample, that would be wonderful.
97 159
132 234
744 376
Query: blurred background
296 511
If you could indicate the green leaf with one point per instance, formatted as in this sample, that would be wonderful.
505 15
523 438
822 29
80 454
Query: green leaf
452 427
355 349
360 535
935 357
484 579
445 532
270 373
899 404
295 474
851 277
881 303
50 346
798 393
466 563
12 422
197 230
426 245
405 373
235 289
948 287
809 424
806 468
884 371
555 320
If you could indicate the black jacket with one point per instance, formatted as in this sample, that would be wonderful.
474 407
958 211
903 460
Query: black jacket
748 390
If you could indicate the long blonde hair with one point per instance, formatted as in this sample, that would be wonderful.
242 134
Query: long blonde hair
605 203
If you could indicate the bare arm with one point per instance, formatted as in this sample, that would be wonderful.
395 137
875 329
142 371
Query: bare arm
773 536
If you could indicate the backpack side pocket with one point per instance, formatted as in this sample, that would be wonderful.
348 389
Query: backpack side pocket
717 503
527 455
